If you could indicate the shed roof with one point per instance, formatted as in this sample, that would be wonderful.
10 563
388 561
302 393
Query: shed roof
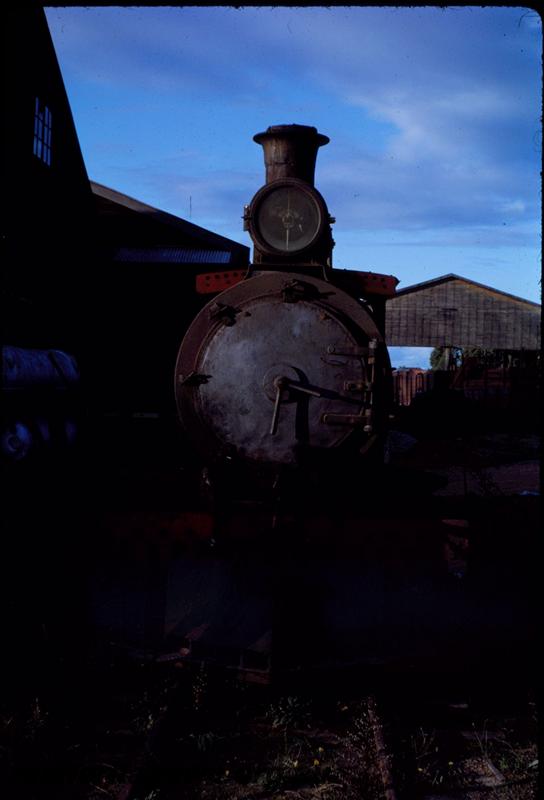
417 287
163 229
172 255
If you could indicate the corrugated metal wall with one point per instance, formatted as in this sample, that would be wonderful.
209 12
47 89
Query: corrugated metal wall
461 314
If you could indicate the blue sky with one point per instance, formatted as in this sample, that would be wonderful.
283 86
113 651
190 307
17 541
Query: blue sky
433 115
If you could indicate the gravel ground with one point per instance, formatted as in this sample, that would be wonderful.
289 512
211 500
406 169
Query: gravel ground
491 464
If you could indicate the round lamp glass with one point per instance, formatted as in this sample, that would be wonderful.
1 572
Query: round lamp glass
288 219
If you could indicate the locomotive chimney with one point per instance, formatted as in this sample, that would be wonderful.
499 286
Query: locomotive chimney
290 151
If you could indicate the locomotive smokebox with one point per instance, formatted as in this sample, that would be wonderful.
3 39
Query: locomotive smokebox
290 151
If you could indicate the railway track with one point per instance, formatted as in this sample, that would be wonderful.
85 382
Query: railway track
285 746
161 731
219 741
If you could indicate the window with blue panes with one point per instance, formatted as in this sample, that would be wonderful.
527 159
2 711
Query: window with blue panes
42 132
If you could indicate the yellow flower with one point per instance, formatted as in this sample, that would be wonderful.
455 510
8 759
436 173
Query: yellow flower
450 763
316 762
295 763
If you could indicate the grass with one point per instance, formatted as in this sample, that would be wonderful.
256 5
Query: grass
223 740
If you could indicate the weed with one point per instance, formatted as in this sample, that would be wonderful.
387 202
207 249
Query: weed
36 721
423 744
154 794
429 765
294 767
144 715
482 739
289 712
204 741
278 774
199 687
361 729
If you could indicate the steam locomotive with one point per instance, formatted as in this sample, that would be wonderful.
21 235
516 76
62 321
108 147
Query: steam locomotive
288 366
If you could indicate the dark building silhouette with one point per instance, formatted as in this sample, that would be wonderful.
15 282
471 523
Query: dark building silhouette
48 213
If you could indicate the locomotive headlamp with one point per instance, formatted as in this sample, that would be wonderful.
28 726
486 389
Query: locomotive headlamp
287 217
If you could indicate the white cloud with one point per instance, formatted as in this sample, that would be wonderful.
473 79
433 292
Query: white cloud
514 207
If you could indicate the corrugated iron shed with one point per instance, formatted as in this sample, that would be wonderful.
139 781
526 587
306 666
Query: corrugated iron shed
451 311
171 255
137 232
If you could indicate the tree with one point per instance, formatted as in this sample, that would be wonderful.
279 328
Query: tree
446 358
